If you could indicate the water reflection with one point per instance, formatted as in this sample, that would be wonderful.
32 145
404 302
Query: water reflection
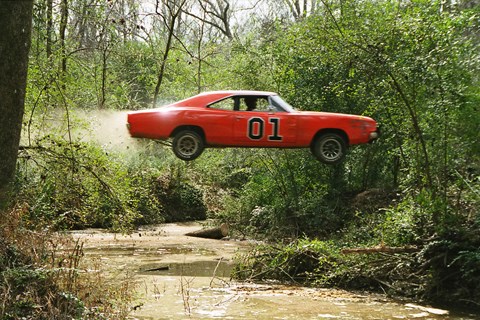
209 268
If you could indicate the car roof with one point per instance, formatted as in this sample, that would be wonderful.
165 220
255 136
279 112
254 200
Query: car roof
240 92
208 97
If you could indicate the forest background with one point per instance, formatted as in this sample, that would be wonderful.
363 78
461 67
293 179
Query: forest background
413 66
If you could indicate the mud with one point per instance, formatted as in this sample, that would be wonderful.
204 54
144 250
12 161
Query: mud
180 277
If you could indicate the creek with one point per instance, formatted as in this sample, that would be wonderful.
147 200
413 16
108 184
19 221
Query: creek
180 277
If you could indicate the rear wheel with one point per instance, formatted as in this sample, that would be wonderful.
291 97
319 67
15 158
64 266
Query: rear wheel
329 148
188 145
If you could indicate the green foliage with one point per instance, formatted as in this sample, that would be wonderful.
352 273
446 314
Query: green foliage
443 272
181 200
79 185
143 197
405 66
454 267
405 223
29 285
162 188
282 192
302 261
132 75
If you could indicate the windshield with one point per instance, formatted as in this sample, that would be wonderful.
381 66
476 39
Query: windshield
280 104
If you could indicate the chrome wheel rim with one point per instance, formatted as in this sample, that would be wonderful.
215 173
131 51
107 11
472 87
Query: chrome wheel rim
187 145
331 149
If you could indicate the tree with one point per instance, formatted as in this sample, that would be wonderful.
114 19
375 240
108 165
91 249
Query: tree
63 30
219 13
15 23
300 9
170 11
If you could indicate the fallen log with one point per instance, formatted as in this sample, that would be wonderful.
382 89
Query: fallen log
212 233
161 268
427 309
381 249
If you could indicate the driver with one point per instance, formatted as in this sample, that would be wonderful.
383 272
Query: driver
251 103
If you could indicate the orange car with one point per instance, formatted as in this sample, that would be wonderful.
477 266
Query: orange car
250 119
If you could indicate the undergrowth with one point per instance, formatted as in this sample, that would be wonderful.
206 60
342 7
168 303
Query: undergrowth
41 277
392 253
76 185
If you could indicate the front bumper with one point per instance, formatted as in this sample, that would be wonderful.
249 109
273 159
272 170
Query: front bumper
374 135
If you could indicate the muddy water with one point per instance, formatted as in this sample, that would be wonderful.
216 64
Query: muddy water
181 277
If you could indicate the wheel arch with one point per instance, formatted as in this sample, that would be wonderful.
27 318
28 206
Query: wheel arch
340 132
197 129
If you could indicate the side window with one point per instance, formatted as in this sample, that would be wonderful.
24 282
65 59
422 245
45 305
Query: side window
262 104
225 104
253 103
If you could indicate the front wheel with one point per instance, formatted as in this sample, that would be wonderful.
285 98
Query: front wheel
187 145
329 148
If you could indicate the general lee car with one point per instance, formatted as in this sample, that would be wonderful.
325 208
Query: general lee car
250 119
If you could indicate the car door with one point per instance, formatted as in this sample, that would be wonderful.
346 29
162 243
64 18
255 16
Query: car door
217 123
264 128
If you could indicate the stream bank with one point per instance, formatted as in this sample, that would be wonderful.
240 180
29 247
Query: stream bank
180 277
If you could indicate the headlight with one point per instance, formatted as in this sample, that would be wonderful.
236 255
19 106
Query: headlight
373 135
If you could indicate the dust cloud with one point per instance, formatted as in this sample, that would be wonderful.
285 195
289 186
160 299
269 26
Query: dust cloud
107 128
103 127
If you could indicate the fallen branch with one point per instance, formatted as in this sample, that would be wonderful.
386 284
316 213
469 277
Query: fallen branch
161 268
381 249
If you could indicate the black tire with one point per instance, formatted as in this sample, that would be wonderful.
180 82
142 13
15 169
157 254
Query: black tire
188 145
329 148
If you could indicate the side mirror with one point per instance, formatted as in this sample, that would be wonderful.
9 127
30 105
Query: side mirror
271 109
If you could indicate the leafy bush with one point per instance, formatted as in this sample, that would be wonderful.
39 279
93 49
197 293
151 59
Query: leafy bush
74 185
301 261
453 265
287 193
181 201
77 185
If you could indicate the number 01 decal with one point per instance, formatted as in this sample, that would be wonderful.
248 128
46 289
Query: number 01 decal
256 129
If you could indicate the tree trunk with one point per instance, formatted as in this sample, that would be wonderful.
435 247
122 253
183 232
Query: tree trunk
381 249
199 53
63 31
49 27
103 98
15 23
174 10
164 63
213 233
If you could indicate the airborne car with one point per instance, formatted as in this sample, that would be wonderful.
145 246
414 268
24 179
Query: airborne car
250 119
